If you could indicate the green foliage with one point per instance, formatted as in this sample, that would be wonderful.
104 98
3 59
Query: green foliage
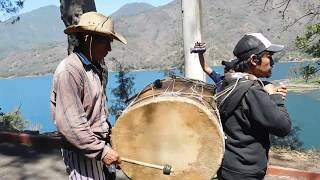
1 113
123 91
308 71
12 121
310 41
291 141
305 70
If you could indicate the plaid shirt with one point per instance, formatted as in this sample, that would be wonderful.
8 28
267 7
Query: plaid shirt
78 105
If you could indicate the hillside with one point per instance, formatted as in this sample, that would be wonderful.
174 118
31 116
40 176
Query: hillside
131 10
38 28
36 44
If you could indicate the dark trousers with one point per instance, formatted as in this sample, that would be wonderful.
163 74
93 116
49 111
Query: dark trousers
227 174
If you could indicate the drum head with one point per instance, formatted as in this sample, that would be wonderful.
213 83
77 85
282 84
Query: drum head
169 130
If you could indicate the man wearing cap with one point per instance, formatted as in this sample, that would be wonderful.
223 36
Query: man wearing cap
251 110
78 100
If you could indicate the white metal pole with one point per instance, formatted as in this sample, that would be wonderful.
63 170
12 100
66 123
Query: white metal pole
191 17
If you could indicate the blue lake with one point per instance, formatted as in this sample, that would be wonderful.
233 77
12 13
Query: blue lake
32 93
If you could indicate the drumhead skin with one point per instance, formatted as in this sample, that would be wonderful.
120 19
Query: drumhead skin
179 131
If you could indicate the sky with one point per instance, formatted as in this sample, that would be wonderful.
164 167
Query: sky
104 6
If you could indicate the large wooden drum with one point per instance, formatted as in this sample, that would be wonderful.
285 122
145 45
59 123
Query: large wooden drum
172 121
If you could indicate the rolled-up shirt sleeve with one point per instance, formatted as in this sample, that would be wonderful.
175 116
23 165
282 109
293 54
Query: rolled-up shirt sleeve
217 78
70 117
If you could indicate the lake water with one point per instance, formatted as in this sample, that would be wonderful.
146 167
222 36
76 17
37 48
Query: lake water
32 93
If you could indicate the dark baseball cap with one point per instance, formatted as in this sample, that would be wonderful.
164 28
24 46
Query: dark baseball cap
254 43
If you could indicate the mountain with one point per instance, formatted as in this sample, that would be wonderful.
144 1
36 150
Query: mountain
154 36
38 28
132 9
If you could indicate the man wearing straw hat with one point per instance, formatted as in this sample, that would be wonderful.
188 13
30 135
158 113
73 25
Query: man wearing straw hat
78 100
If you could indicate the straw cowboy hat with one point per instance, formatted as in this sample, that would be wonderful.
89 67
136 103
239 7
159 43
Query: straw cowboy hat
95 23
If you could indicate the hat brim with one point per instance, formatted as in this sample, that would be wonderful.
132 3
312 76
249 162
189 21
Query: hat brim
275 48
230 64
94 30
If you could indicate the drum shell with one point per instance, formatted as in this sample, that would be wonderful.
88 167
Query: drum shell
164 127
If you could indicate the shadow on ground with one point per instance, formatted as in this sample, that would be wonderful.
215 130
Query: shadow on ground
22 162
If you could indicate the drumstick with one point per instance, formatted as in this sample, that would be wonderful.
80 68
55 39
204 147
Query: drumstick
166 169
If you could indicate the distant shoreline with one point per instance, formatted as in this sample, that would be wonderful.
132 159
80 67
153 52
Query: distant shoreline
156 69
297 87
299 60
47 74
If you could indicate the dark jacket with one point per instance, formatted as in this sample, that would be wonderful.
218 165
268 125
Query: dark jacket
249 114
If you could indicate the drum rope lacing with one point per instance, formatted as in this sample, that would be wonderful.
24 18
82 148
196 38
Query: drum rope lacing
230 89
170 91
173 92
229 92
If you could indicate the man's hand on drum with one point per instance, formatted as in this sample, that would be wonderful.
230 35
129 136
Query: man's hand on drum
111 157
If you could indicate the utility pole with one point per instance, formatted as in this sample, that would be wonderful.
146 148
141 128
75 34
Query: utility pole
191 18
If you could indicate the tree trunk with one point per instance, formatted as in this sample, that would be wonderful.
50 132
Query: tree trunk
71 10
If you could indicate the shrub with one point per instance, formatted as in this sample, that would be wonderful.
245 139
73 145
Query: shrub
12 121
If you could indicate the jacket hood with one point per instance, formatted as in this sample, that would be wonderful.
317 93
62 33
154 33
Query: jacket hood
234 87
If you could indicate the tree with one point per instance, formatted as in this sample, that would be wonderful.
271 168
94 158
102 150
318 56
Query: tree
10 8
12 121
123 91
312 8
307 71
1 113
309 42
70 11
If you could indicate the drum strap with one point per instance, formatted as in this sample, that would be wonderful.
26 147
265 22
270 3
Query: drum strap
242 86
